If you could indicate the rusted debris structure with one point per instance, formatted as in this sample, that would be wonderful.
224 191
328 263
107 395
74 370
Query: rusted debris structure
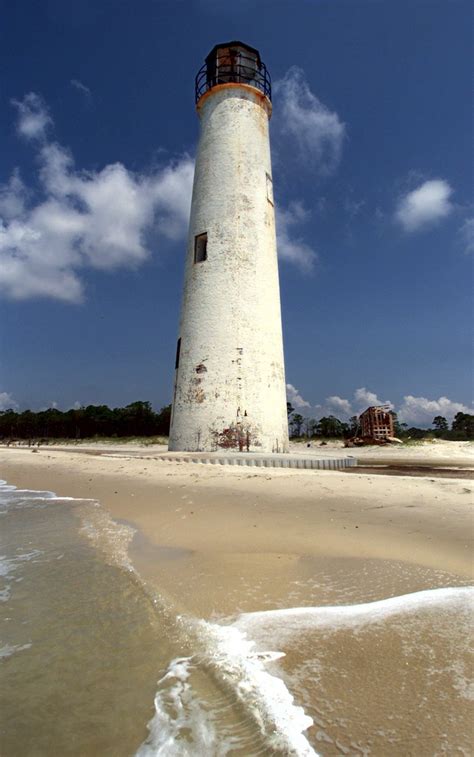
377 423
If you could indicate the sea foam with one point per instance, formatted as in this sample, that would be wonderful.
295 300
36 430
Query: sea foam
266 696
288 622
183 725
179 710
237 655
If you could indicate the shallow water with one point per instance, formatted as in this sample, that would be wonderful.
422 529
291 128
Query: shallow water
90 655
81 641
390 677
95 661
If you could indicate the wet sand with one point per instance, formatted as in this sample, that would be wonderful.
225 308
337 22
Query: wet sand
216 542
223 539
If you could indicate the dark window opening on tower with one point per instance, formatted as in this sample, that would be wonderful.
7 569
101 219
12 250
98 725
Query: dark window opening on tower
178 350
200 248
270 189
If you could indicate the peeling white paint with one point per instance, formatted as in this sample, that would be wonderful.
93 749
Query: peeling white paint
231 368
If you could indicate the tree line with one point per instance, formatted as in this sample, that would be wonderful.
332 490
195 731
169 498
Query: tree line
139 419
136 419
462 427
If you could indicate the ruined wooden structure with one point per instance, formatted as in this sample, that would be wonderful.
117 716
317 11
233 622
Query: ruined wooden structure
377 422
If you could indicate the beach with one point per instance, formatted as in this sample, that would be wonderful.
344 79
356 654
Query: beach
233 546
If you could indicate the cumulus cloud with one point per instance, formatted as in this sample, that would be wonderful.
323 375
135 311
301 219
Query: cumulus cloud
7 402
81 87
33 116
467 234
98 219
52 405
415 411
425 205
295 397
290 247
345 408
365 398
421 411
316 133
339 405
12 196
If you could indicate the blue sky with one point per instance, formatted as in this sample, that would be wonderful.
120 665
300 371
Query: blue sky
371 143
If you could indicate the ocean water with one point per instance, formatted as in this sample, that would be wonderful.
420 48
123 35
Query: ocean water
95 661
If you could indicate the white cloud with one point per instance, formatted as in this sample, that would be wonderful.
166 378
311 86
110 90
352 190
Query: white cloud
344 408
467 233
99 219
295 397
316 133
365 398
172 194
33 116
7 402
293 249
420 410
339 405
425 205
96 219
12 196
52 405
81 87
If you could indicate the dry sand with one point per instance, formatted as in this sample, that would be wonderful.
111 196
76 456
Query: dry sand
222 539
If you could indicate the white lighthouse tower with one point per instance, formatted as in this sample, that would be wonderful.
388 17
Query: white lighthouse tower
229 391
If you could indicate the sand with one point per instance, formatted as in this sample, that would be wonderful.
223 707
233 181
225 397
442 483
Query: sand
219 540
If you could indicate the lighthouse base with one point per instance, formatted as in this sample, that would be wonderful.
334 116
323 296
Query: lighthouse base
259 460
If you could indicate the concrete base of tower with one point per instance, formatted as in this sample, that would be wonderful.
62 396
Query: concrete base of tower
260 460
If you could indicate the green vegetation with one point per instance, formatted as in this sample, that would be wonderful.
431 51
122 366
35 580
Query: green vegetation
330 427
138 422
142 441
99 421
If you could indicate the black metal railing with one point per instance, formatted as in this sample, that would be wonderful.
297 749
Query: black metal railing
241 70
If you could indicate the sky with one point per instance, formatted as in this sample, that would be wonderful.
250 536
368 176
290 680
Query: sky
372 162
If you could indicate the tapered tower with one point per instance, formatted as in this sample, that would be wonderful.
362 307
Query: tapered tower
229 390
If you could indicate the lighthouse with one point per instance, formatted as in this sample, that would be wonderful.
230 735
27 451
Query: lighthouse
229 387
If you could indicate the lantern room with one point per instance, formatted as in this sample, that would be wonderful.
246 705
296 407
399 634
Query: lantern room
233 63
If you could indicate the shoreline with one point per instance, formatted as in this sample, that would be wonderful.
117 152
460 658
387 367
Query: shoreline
222 540
287 591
